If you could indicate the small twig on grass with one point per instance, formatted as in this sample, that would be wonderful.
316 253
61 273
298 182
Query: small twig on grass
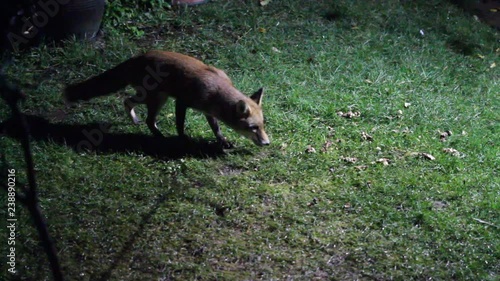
11 95
485 222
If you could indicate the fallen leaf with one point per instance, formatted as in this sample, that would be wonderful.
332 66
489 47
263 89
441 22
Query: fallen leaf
493 65
439 205
349 159
313 202
366 136
262 30
480 56
349 114
444 135
493 10
361 167
331 131
407 104
427 156
452 151
310 149
264 2
275 50
327 145
384 161
368 81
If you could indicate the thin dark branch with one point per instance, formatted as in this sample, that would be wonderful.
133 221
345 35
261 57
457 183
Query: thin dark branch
12 96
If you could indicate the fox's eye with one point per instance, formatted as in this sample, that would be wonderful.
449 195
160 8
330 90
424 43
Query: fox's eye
253 127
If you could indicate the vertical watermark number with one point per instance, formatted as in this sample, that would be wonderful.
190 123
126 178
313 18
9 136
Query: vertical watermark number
11 220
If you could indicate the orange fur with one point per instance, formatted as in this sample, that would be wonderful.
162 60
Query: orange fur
158 75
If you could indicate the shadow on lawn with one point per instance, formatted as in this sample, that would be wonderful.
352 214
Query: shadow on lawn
96 137
123 254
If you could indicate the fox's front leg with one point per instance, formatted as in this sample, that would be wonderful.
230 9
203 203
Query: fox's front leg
180 117
212 121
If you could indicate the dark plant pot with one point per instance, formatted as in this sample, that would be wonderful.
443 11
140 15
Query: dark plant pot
188 2
79 18
23 23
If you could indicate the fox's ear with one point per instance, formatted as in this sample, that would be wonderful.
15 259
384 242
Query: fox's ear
242 108
257 96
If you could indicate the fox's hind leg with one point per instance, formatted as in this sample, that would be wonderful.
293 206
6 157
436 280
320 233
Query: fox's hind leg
129 108
154 103
131 102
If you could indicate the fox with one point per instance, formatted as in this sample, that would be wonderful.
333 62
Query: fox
159 75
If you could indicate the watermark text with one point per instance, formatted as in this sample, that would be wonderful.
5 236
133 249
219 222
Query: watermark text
11 220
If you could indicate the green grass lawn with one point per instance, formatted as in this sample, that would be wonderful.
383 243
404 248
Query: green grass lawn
332 198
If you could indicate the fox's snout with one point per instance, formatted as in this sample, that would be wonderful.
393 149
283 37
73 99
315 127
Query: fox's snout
261 139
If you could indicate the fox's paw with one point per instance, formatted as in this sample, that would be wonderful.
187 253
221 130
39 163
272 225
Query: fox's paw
224 144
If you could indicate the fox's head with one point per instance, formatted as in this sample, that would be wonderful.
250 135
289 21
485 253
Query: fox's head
250 119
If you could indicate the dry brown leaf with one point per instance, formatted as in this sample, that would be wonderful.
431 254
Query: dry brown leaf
313 202
366 136
310 149
452 151
361 167
439 205
327 145
349 159
349 114
384 161
331 131
262 30
427 156
444 135
264 2
407 131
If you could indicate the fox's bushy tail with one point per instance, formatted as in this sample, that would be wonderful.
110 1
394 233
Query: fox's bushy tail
106 83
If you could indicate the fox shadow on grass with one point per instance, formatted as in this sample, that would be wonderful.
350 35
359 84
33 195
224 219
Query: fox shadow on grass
98 138
95 137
